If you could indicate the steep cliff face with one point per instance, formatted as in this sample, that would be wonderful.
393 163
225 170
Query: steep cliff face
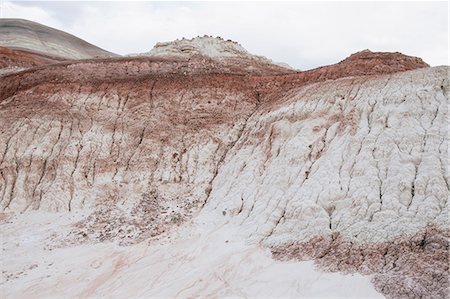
199 143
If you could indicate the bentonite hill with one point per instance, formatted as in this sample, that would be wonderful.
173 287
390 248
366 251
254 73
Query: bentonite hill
200 170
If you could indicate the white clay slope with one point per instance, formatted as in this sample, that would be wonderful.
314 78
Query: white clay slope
365 158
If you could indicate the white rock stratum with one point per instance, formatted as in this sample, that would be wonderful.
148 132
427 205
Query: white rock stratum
367 158
213 47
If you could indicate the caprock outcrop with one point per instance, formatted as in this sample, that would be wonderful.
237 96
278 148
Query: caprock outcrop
213 47
200 166
227 54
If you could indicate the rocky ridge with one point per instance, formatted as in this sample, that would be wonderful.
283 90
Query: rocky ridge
351 157
213 47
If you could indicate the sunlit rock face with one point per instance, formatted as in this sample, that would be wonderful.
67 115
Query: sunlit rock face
199 155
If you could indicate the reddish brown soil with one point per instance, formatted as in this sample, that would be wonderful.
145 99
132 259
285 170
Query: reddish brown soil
263 78
24 59
408 267
364 63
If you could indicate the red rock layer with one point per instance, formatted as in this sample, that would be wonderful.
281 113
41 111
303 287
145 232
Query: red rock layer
364 63
20 59
408 267
266 78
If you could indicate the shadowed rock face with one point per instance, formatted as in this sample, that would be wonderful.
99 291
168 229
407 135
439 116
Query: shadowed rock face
31 36
345 164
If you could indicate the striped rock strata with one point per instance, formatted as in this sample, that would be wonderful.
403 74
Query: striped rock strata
345 165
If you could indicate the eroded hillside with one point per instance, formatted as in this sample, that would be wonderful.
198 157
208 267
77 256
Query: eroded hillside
345 165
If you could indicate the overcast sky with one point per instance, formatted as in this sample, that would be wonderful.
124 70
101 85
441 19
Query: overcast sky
303 34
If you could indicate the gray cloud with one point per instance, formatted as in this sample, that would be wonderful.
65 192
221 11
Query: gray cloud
303 34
